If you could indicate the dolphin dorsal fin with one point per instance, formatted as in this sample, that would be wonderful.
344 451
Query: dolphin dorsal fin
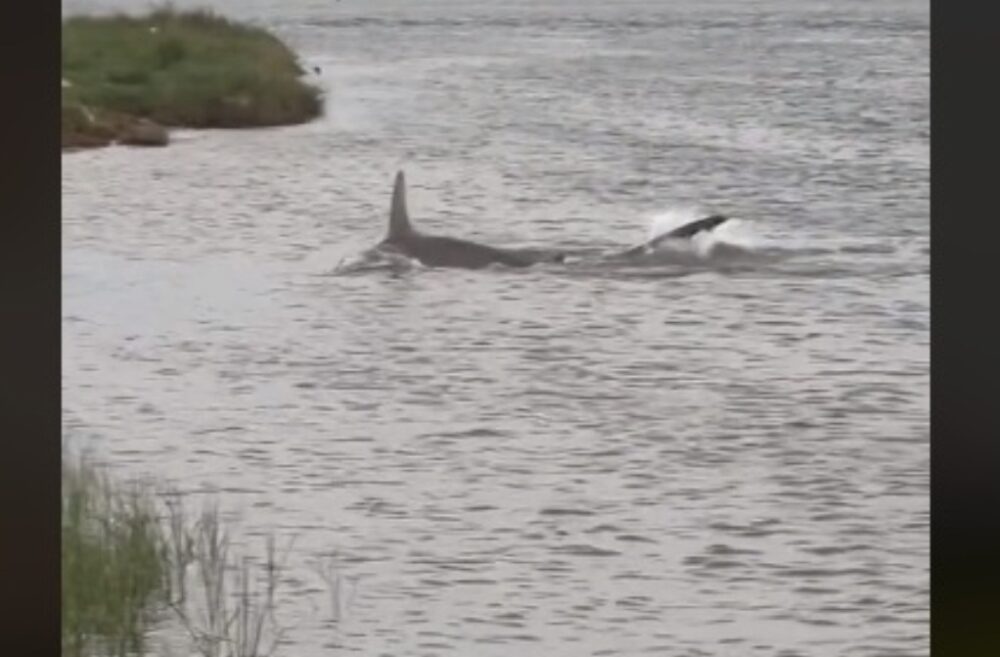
399 219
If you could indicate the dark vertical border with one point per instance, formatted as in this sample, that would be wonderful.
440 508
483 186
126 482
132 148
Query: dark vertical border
30 317
965 359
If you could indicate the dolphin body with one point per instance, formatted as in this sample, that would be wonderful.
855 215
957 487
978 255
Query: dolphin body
435 251
438 251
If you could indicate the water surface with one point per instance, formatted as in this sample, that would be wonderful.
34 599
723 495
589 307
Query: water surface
666 459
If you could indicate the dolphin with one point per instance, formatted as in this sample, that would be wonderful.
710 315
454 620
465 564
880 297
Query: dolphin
438 251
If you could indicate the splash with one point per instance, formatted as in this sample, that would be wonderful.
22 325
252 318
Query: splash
373 259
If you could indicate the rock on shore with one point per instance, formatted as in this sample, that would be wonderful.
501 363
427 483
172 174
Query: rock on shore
143 132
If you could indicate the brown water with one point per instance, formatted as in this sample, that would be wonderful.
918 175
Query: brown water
687 456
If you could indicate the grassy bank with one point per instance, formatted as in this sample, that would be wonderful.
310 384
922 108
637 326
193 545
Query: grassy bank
132 560
176 68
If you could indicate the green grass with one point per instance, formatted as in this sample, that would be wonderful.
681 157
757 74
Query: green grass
178 68
133 559
113 563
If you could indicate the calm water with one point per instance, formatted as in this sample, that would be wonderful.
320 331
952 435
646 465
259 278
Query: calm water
699 459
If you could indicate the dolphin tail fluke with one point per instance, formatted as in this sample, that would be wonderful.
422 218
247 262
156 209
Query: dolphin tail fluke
687 231
695 227
399 219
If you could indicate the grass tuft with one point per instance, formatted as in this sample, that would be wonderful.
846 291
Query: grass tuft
112 562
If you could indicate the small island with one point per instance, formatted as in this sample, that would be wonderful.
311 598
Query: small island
126 79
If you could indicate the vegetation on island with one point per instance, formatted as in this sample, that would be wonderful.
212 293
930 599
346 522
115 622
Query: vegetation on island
126 76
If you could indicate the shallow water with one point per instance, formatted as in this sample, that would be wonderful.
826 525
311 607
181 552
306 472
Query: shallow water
672 457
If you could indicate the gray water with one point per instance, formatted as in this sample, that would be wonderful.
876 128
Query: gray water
709 458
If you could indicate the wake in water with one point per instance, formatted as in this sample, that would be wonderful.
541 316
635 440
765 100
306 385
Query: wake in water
374 259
